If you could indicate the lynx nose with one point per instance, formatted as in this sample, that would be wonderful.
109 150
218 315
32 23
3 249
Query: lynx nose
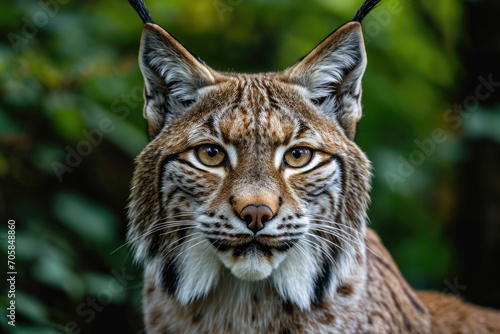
256 216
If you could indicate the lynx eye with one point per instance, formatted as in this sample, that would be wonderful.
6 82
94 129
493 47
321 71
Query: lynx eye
210 155
297 157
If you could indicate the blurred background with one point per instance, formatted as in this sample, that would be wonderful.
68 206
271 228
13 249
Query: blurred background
71 124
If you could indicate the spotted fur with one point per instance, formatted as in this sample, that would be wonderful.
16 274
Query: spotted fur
315 267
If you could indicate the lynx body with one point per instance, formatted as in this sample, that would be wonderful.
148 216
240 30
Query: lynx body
248 206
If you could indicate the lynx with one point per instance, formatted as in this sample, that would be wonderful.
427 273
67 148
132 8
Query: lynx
248 205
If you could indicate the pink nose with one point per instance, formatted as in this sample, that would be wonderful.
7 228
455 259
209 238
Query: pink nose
256 216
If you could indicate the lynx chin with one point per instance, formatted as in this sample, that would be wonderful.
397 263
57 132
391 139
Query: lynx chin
248 205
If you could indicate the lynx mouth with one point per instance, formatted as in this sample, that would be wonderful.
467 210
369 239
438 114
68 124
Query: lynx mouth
263 244
255 258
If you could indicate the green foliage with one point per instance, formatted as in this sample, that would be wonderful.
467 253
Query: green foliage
79 68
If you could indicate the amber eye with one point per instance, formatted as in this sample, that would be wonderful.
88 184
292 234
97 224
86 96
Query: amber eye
210 155
298 156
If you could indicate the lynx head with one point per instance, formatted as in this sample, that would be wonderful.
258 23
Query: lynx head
253 178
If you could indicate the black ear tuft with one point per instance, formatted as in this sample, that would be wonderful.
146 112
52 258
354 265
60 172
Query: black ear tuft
141 9
365 8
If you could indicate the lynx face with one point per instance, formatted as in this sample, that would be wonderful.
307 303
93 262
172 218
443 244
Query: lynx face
250 177
252 174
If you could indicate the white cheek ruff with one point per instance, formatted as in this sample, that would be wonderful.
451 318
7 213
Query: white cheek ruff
294 278
199 270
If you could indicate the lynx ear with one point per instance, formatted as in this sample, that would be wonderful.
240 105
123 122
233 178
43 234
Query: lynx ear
173 77
332 73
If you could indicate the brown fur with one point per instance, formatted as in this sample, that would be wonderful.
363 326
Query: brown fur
450 315
204 273
376 301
